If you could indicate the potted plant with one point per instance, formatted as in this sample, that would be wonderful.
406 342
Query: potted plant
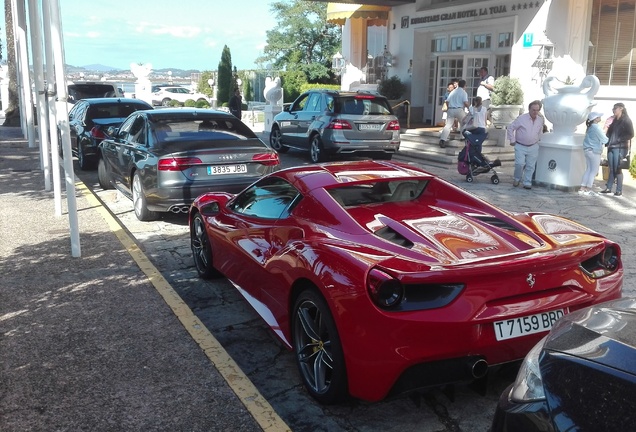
506 101
392 88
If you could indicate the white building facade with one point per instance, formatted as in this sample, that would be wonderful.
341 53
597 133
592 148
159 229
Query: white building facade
432 41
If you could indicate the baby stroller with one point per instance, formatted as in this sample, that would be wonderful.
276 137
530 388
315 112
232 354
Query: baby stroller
471 162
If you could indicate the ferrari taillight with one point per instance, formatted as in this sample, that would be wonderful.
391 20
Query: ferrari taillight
339 124
177 163
267 159
393 125
97 133
603 264
385 291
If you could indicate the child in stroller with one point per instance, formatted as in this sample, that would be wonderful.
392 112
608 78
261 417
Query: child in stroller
471 161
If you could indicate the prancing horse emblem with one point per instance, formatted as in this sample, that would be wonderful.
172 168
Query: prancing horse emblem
530 279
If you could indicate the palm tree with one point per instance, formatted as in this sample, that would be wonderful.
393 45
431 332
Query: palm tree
11 109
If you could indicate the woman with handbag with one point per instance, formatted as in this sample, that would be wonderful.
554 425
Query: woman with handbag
620 133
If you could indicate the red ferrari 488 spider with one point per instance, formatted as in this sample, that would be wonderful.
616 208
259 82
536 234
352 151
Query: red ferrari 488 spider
383 278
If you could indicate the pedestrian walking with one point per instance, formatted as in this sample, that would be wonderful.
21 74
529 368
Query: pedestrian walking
593 143
235 103
620 133
524 133
457 103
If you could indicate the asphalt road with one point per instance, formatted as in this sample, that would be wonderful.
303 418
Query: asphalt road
269 365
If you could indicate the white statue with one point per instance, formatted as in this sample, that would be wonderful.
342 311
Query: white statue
141 72
273 91
143 84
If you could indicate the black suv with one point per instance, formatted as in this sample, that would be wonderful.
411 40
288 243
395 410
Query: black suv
329 122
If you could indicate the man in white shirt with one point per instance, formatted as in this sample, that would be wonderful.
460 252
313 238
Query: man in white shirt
485 87
457 103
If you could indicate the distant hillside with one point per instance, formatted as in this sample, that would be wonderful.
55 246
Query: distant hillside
103 68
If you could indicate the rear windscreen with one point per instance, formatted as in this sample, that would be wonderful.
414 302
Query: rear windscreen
362 106
88 91
378 192
208 129
114 110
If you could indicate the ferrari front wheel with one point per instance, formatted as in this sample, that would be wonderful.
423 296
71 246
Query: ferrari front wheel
318 350
201 249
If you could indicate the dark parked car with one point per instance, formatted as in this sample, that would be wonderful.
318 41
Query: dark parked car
384 278
89 120
163 159
89 90
329 122
581 377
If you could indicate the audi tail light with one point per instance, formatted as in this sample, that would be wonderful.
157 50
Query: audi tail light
177 163
267 159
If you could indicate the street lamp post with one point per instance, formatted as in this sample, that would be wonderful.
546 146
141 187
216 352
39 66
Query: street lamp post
170 77
213 97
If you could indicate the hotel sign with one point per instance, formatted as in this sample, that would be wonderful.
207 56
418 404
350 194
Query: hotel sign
468 13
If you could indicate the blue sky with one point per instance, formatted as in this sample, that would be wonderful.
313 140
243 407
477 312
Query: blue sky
187 34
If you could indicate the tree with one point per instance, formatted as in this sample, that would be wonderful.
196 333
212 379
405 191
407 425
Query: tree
12 108
225 78
302 40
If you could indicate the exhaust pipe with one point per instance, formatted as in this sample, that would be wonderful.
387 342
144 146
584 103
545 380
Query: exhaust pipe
179 209
479 368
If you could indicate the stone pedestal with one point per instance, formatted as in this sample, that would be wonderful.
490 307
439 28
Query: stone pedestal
270 112
561 161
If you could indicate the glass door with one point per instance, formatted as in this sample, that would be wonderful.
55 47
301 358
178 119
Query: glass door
448 68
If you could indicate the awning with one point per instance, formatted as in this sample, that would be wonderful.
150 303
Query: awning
338 13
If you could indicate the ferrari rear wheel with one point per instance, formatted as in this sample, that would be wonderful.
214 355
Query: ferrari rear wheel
201 249
275 140
139 201
318 350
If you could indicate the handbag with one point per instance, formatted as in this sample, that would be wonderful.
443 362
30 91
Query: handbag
624 163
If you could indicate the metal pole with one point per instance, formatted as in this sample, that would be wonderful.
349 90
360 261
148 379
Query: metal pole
62 121
50 96
35 28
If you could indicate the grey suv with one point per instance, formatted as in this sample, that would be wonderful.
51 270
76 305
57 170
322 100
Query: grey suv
329 122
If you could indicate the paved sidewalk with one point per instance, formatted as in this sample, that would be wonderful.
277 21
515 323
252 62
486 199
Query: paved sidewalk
89 343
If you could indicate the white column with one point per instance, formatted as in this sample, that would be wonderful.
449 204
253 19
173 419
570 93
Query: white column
50 96
35 28
62 121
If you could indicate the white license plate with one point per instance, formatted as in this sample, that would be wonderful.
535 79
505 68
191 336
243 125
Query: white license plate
227 169
369 126
527 325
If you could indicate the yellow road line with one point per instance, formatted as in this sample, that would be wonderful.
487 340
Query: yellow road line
244 389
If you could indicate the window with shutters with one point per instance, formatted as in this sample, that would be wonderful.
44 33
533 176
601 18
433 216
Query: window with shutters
612 54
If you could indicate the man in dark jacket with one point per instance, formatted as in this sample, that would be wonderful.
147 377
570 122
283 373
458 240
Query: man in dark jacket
235 103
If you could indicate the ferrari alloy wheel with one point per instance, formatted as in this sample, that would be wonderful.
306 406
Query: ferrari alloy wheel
319 354
102 175
139 201
316 150
201 248
275 140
